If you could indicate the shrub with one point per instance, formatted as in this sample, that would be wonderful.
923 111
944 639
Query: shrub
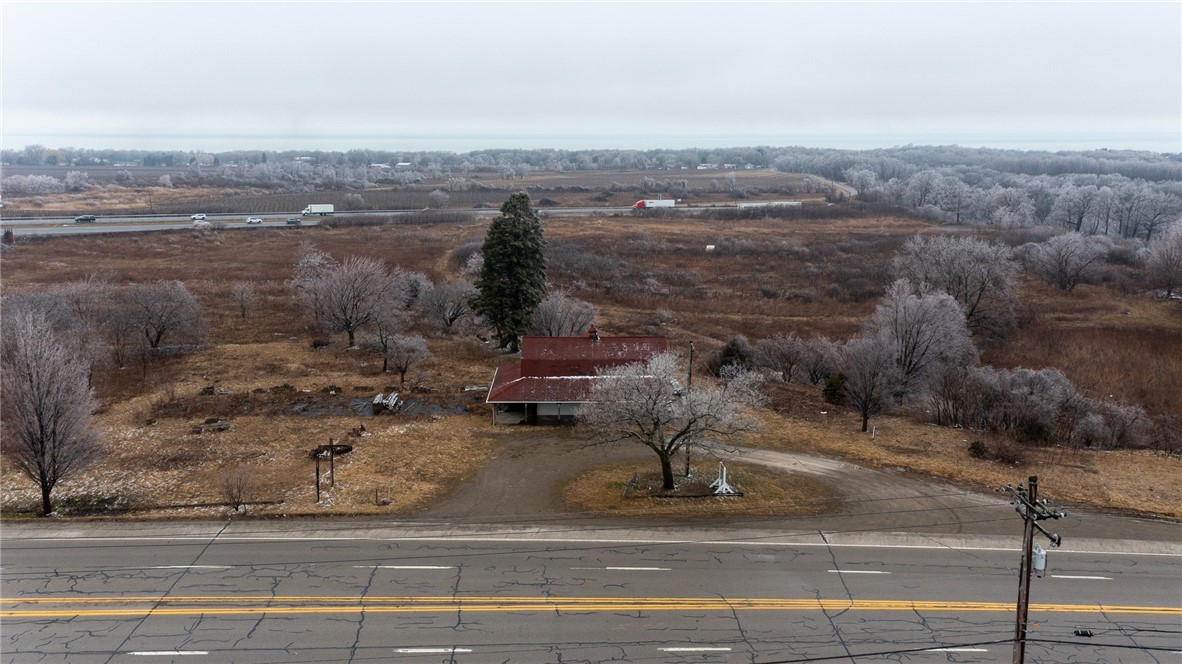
979 450
834 391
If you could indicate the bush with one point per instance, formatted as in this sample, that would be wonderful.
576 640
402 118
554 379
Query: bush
979 450
834 391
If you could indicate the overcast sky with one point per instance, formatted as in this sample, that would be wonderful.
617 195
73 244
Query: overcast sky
462 76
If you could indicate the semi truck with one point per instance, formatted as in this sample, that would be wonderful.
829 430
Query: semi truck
654 203
322 209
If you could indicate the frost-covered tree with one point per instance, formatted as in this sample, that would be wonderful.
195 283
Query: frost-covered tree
347 298
165 310
980 276
1163 263
783 354
1065 260
927 333
404 352
245 296
871 376
559 315
448 305
48 407
644 404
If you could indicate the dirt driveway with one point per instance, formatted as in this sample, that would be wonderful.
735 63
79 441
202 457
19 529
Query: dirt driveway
520 484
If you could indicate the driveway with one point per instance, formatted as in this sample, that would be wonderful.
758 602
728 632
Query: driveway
520 486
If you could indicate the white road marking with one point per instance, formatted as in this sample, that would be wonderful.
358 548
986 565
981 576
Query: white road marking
855 571
957 650
694 649
631 569
190 567
404 566
425 651
1094 578
169 653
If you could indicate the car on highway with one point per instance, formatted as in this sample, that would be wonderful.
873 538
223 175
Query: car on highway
198 217
84 218
293 221
254 220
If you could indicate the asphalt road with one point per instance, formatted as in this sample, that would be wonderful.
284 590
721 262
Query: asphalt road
376 591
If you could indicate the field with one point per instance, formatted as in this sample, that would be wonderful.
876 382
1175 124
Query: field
812 276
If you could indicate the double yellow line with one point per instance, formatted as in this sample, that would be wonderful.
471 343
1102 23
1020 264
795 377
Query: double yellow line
64 607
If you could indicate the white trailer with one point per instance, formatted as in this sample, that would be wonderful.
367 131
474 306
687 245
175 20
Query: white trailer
654 203
322 209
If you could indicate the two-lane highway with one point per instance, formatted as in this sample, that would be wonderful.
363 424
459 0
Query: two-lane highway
255 592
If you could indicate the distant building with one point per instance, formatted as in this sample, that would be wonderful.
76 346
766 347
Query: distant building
404 166
556 374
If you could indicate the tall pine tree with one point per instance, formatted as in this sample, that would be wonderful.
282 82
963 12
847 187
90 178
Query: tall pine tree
513 279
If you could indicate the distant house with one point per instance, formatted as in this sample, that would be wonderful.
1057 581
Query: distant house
556 374
403 166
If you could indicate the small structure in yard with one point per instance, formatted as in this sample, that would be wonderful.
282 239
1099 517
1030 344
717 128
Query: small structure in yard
720 485
556 374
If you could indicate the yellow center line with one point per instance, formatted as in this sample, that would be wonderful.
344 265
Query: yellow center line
59 607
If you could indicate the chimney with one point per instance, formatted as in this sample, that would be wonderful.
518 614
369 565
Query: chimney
592 333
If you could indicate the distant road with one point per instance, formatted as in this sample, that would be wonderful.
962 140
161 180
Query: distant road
134 223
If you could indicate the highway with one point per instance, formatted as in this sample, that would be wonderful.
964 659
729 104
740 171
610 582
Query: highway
358 590
30 226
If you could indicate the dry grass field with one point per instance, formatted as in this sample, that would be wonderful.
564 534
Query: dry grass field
646 276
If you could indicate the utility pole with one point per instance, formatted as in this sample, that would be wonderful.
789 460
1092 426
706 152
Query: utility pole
1025 502
689 382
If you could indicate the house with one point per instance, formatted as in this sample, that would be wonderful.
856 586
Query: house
556 374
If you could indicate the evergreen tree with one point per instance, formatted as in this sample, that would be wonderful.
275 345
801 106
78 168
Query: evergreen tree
513 279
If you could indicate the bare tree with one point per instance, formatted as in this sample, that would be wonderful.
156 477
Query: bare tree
868 364
821 357
166 309
560 316
979 275
405 351
642 403
245 296
927 333
1164 261
783 354
347 298
438 198
48 407
447 305
1065 260
388 322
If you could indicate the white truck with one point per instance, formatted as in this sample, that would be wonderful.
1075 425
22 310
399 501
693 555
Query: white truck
654 203
322 209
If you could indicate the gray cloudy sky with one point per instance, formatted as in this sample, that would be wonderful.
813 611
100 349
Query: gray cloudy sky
462 76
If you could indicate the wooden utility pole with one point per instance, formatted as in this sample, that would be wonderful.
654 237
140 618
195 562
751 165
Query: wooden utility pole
1025 501
689 381
1024 575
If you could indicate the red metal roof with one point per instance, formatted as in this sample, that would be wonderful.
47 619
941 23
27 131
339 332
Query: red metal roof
563 369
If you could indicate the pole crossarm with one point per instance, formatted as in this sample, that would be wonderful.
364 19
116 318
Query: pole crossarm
1026 502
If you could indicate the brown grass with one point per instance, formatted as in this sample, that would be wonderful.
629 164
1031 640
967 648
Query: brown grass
766 492
765 276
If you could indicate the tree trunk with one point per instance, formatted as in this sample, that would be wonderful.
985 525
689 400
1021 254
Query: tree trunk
46 505
865 422
667 473
350 331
